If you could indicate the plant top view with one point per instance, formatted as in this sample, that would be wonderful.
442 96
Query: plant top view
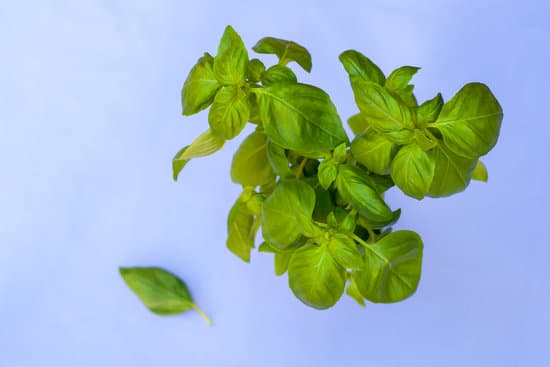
317 195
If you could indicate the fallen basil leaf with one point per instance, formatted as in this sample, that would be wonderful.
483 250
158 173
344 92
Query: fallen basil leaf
160 291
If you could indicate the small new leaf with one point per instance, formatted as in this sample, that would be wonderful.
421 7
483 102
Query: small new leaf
480 172
285 50
429 110
278 74
360 67
160 291
232 58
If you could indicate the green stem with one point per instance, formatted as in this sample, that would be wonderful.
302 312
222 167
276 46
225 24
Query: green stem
300 169
204 316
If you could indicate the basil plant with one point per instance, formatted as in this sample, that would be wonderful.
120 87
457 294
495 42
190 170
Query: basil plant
317 195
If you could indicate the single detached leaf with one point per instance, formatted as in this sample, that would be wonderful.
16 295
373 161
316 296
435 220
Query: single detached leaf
345 252
328 170
360 67
452 173
392 268
383 111
358 123
160 291
399 78
374 151
206 144
354 189
241 230
413 170
254 70
354 293
470 121
300 117
285 50
250 166
278 74
277 158
429 110
480 172
232 59
229 113
200 87
287 213
315 277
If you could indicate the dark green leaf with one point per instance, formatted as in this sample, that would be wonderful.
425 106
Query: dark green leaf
429 110
315 277
286 214
250 166
345 252
360 67
374 151
255 70
278 74
323 203
229 113
354 189
286 51
232 59
383 111
393 267
160 291
200 87
480 172
277 158
206 144
412 171
300 117
470 121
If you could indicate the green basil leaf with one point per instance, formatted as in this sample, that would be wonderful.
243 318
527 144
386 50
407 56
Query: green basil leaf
355 190
254 70
393 267
480 172
241 230
232 59
340 153
250 166
354 293
470 121
281 261
287 213
400 78
380 183
278 74
160 291
200 87
429 110
383 111
400 137
206 144
229 112
300 117
373 151
360 67
345 252
412 170
315 277
373 224
424 141
277 158
285 50
348 223
324 203
452 173
358 123
328 170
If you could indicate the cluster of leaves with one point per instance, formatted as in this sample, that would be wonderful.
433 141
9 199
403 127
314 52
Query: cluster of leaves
317 197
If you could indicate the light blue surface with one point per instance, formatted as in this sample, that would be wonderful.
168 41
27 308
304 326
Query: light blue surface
89 122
